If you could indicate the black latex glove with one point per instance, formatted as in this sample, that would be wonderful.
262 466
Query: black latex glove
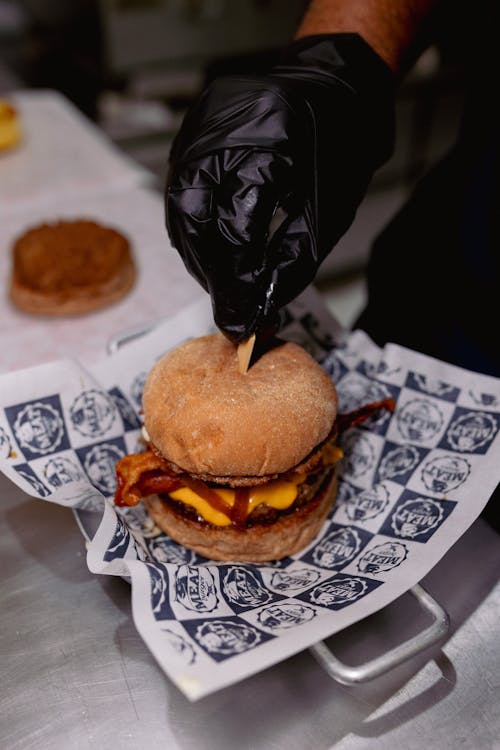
306 138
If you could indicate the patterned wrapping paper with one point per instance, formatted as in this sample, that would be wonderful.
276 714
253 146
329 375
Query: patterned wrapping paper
411 483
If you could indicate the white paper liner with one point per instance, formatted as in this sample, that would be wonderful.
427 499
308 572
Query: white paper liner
411 484
61 154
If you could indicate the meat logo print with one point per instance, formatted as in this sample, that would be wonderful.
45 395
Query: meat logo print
285 615
419 420
367 504
472 432
297 579
93 413
243 588
445 473
399 462
195 588
337 548
341 591
416 517
224 638
62 470
38 427
382 558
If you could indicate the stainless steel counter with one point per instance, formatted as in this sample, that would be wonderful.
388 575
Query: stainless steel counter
77 676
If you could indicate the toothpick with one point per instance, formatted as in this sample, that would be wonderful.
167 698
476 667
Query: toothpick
245 350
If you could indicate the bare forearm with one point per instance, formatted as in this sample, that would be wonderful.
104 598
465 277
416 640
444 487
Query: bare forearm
393 28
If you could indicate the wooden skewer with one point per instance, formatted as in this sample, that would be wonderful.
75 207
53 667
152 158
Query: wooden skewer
245 350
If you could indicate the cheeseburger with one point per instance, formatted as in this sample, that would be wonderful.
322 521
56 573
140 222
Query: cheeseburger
238 466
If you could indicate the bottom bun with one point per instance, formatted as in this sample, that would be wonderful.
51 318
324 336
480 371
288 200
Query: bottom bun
259 543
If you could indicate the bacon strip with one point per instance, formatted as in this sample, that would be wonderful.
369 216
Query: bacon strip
142 474
135 470
357 416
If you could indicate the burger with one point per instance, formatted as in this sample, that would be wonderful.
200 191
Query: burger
237 466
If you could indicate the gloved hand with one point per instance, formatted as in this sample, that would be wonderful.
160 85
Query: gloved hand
304 139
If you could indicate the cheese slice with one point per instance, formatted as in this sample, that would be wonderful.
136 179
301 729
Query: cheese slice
277 494
204 509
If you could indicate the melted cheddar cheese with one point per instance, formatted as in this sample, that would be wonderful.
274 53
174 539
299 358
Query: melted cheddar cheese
279 494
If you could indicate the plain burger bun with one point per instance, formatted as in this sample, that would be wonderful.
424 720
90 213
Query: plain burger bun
70 268
259 543
205 417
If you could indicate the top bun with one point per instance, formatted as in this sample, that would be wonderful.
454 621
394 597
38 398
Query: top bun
206 417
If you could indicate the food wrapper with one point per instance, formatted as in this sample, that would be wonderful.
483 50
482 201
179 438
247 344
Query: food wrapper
411 482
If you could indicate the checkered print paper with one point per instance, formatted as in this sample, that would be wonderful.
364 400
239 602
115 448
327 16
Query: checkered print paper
411 483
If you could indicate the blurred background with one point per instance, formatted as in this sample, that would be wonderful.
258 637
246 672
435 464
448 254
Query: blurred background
133 67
